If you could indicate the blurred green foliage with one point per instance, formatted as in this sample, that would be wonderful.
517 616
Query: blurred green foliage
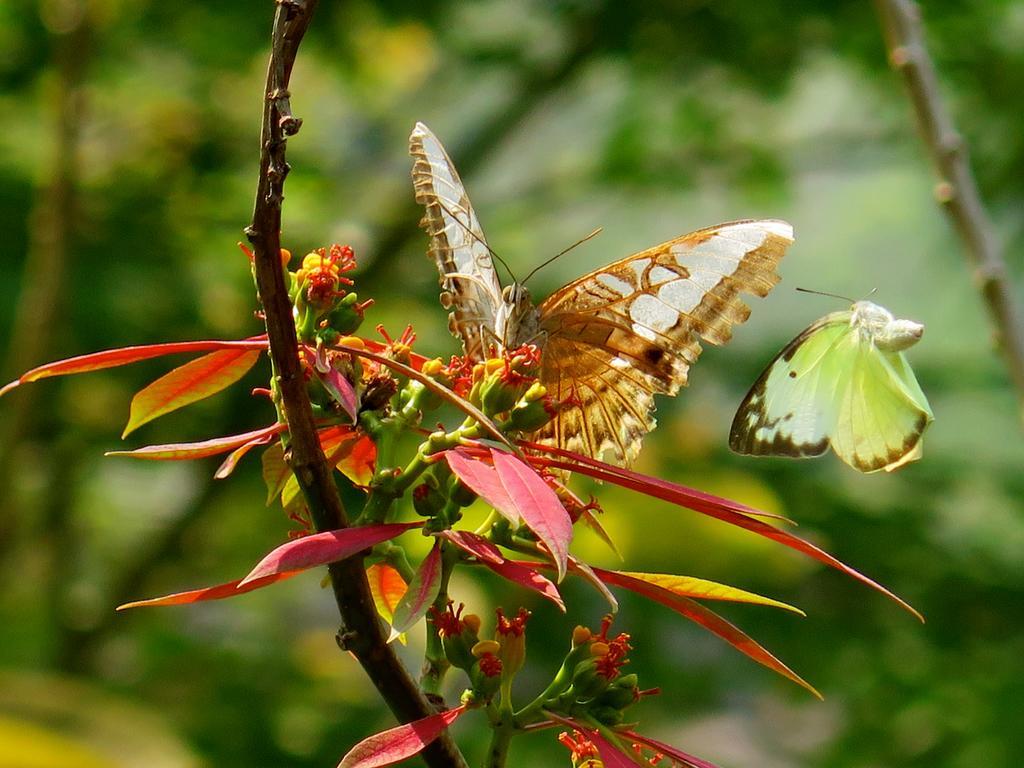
647 119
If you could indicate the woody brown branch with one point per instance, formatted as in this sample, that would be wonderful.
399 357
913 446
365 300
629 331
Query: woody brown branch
361 629
956 191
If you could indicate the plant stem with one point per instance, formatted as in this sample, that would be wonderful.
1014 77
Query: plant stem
957 190
501 737
361 631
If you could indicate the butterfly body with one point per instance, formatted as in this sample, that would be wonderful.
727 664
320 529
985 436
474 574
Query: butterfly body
611 339
843 383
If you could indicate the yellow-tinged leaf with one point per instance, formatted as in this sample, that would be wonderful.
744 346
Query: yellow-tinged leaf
688 586
387 587
189 383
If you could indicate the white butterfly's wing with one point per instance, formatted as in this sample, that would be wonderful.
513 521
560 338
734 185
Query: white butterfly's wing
628 331
471 287
882 412
831 386
791 409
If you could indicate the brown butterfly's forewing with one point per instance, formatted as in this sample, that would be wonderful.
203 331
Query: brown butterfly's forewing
628 331
470 285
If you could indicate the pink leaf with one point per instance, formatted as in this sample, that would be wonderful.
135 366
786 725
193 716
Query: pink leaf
422 591
722 509
112 358
324 548
340 389
189 383
517 572
397 744
219 592
515 490
200 450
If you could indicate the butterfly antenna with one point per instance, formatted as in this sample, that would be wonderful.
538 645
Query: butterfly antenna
561 253
479 239
826 293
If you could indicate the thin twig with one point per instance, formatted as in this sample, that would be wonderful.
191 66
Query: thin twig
361 631
956 190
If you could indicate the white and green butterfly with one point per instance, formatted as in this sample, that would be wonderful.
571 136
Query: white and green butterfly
843 382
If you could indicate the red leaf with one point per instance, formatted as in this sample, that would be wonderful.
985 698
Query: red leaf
218 592
708 619
515 490
200 450
112 358
517 572
682 495
422 591
189 383
324 548
722 509
666 749
397 744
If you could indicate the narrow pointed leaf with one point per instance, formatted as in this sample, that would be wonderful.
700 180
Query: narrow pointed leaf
422 591
400 743
323 548
200 450
515 490
229 464
111 358
685 758
721 509
710 620
219 592
275 471
521 573
682 495
189 383
590 575
688 586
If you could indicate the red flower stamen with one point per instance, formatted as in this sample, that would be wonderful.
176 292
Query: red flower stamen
582 750
449 622
512 627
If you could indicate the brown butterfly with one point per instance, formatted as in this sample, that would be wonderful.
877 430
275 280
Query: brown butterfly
611 339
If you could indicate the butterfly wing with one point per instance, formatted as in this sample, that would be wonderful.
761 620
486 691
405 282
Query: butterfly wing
628 331
791 409
831 386
882 412
470 285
